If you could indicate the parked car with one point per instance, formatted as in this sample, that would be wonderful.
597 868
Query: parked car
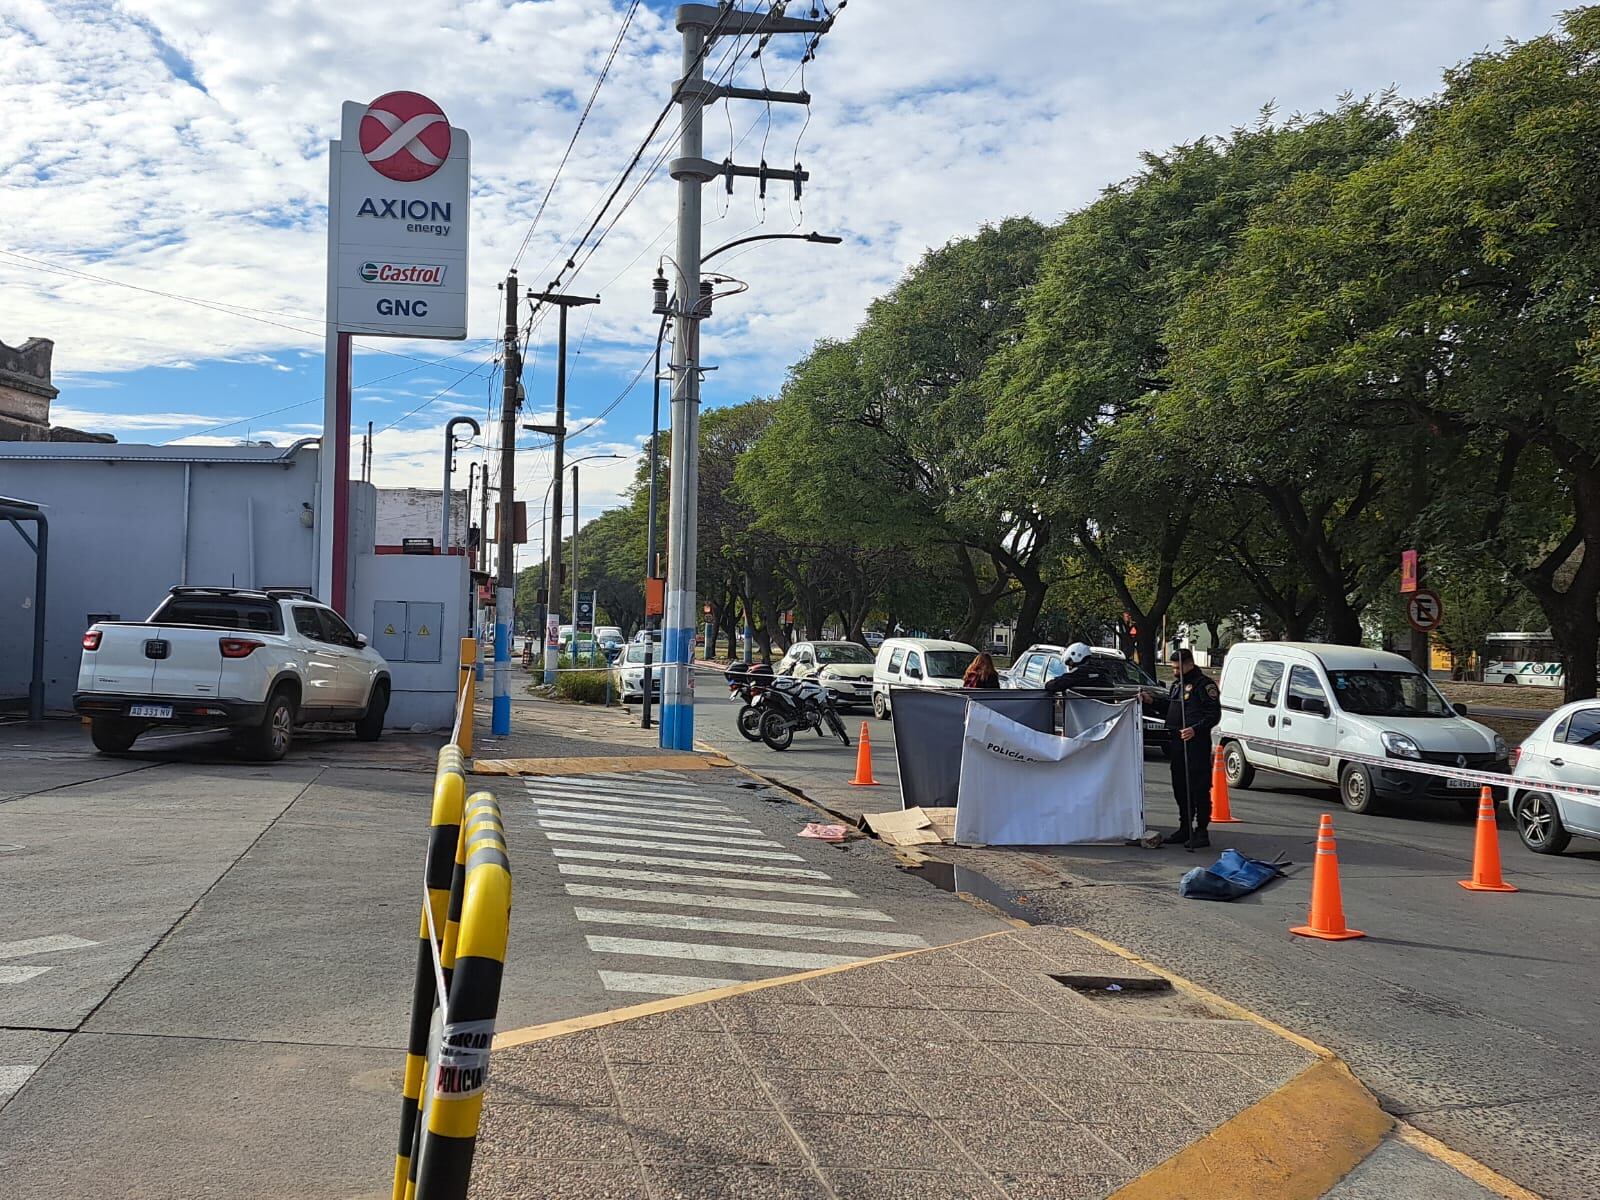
256 662
1565 748
629 673
1291 707
917 662
1042 662
844 668
874 638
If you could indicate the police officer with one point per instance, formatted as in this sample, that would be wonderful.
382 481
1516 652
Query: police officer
1193 710
1080 675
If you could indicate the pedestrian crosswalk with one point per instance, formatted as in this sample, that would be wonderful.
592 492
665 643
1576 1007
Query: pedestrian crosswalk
14 1075
664 872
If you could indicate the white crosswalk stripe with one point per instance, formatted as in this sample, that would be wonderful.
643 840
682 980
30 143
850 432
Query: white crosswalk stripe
697 816
749 885
642 853
596 826
646 844
44 945
793 908
699 864
13 973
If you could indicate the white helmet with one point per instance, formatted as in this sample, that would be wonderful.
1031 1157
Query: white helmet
1078 654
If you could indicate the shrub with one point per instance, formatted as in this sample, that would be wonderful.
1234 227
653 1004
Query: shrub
586 687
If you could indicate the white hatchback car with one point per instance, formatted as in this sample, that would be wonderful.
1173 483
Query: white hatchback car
1565 748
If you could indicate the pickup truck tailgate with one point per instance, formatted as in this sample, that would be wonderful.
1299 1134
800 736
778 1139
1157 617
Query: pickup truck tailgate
191 664
120 664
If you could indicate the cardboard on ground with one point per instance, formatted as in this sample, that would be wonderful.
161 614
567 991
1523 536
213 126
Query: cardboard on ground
913 826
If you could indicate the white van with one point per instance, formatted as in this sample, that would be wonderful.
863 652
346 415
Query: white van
1291 707
917 662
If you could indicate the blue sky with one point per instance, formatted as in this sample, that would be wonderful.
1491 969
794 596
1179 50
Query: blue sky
178 146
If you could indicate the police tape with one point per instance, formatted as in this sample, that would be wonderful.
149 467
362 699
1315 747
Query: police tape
1412 766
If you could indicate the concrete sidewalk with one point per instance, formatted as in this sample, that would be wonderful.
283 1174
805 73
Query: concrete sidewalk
1005 1066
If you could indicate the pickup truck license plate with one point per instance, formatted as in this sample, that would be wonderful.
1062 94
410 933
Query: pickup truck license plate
161 712
1460 783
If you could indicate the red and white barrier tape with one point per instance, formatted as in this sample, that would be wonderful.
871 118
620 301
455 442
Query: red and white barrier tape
1414 767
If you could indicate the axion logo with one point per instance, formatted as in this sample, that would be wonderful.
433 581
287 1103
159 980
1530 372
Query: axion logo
405 136
416 274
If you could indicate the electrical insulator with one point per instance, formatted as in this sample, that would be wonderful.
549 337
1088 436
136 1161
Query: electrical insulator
705 298
658 294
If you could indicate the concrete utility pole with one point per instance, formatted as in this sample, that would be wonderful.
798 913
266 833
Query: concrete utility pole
574 564
505 584
552 654
700 25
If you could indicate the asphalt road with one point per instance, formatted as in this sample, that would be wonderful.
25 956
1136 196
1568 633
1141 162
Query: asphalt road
1475 1016
206 967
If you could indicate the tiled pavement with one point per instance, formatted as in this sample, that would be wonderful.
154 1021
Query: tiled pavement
963 1072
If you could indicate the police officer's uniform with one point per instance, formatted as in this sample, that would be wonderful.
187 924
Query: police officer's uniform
1078 679
1193 703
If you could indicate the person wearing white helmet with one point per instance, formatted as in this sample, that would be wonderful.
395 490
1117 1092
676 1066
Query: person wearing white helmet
1081 675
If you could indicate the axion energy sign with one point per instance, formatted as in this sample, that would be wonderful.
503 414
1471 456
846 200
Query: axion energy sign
397 236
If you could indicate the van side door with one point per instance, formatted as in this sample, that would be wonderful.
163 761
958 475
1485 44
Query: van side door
1308 719
1263 695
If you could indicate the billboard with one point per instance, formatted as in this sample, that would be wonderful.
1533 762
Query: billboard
398 220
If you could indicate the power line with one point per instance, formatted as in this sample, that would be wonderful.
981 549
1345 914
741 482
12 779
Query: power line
599 82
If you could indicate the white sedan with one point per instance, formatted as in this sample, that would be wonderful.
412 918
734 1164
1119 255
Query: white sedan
1564 749
629 672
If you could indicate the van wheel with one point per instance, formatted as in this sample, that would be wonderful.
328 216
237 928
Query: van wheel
880 706
370 727
1355 789
1511 679
1235 767
270 740
111 736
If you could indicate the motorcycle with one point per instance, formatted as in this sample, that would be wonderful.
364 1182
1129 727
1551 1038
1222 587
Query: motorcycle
793 704
748 684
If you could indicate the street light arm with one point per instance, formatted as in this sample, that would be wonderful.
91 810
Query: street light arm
821 239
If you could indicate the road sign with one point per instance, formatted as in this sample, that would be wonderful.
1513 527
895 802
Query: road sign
1409 573
585 621
1424 610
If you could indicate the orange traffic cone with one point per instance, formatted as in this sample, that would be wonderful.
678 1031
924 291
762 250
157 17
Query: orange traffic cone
1486 854
1327 906
1221 811
864 761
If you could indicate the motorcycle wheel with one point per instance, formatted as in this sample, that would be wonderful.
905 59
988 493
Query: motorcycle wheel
775 731
837 726
749 722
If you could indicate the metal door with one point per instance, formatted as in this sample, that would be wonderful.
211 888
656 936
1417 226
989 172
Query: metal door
1308 726
389 629
424 636
1263 696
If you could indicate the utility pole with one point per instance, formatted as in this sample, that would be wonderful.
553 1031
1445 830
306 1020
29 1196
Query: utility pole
552 654
701 25
574 564
505 585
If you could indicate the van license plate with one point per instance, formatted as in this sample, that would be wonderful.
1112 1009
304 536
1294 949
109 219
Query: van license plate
162 712
1460 783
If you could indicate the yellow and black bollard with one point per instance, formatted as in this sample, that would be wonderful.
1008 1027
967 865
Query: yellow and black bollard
467 694
455 1101
449 791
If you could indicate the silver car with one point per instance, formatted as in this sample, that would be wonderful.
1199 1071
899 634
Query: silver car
1564 749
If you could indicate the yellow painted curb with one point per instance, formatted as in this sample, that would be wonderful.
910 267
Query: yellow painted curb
1294 1145
1485 1177
596 766
553 1029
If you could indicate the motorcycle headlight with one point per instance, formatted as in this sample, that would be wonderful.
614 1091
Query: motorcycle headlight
1401 746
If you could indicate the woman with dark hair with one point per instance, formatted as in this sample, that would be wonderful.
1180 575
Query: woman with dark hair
981 674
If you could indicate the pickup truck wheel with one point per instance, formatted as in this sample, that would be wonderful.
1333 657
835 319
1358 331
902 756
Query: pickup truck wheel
270 740
111 736
370 727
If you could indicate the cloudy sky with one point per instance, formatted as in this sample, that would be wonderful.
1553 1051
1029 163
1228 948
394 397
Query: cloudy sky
163 179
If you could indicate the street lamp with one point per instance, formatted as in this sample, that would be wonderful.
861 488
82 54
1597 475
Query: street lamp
662 306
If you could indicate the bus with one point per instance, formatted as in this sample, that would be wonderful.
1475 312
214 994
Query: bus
1524 658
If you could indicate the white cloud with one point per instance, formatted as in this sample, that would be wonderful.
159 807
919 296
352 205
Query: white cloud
180 145
107 422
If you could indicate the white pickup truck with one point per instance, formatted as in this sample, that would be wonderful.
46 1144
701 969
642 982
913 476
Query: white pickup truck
256 662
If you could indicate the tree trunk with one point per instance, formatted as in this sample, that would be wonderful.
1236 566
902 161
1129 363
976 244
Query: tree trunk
1573 616
980 600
